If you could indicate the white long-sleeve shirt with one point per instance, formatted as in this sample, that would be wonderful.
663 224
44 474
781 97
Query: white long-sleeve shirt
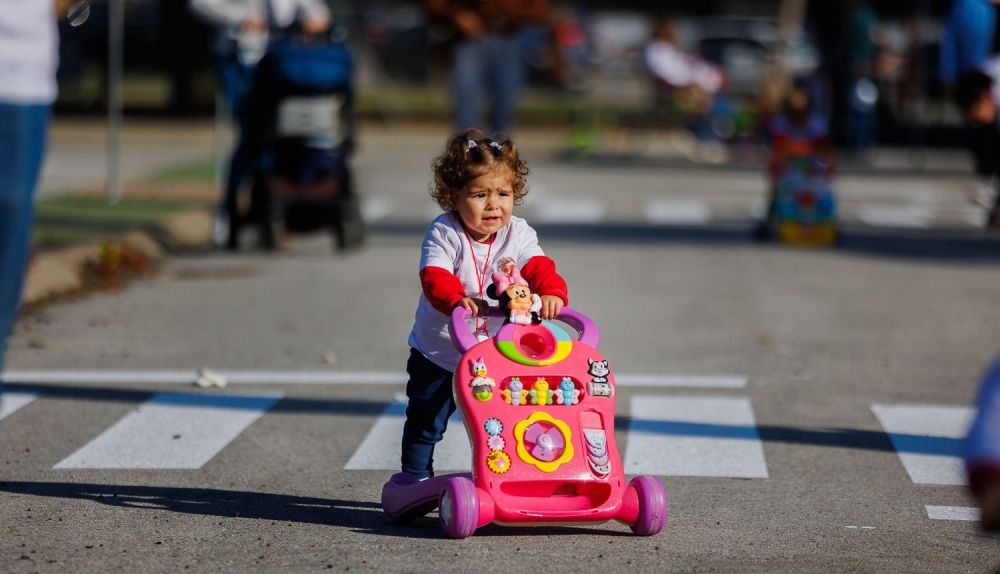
29 51
227 15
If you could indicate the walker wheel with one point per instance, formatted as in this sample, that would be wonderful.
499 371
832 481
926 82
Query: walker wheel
652 505
458 507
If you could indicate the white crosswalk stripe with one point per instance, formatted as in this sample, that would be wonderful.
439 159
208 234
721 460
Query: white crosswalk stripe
172 430
927 439
952 513
380 449
694 436
13 401
581 210
677 212
913 216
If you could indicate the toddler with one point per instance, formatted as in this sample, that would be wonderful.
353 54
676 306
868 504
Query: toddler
798 132
477 182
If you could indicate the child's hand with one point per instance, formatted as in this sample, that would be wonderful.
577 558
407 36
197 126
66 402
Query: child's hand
477 307
551 306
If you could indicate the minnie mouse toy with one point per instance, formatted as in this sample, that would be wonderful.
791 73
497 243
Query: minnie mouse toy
519 305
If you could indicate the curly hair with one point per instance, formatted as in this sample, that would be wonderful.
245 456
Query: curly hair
470 154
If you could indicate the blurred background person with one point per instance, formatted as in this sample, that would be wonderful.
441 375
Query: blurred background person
683 82
686 75
968 39
863 44
799 133
974 96
486 56
28 62
969 43
982 449
245 28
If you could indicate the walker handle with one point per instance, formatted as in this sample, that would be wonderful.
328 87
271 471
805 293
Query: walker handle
460 334
465 340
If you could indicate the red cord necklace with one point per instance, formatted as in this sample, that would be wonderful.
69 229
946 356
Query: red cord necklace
481 278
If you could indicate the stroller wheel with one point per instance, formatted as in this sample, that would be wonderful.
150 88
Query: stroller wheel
458 508
652 505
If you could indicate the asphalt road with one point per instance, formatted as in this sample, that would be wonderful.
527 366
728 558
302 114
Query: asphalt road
825 340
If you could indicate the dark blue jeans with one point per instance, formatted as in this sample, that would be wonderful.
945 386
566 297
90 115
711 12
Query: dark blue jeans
493 66
235 81
430 406
22 146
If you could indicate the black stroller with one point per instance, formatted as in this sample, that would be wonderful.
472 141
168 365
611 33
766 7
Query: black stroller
301 130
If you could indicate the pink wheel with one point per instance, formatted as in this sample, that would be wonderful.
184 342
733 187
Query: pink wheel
459 508
652 505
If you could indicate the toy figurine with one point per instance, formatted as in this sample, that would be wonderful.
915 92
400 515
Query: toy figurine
517 302
540 393
567 394
513 394
482 386
599 370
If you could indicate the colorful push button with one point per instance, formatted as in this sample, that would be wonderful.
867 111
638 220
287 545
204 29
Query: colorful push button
543 441
498 461
493 426
496 443
534 345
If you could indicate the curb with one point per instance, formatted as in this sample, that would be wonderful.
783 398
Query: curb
63 272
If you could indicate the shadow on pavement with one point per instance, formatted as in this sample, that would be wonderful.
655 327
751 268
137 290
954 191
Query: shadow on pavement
360 516
363 516
831 437
938 246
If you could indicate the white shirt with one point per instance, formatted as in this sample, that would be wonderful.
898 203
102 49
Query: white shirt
235 12
228 15
679 70
29 51
446 246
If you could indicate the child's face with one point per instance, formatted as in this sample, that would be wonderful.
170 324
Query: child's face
486 203
983 110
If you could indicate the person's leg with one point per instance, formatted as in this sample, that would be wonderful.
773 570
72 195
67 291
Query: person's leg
506 70
234 78
993 218
430 406
22 147
467 83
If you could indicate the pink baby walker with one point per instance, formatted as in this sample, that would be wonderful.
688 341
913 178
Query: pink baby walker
539 408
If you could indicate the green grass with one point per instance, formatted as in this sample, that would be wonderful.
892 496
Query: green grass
79 219
194 172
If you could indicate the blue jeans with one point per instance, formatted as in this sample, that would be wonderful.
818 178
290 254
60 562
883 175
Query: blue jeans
494 64
23 130
235 81
430 405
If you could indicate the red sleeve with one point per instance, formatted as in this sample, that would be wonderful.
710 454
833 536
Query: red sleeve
540 272
442 288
